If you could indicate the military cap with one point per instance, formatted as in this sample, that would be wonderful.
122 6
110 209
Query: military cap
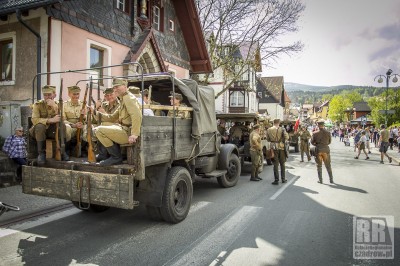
178 96
49 89
74 89
256 126
119 82
134 90
108 90
277 120
321 122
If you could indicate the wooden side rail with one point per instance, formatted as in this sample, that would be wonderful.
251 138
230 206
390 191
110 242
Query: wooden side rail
167 107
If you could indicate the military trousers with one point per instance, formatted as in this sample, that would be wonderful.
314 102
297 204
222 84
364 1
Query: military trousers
41 132
256 161
305 148
326 159
108 135
279 159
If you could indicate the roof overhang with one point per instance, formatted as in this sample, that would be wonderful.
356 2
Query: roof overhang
193 34
9 7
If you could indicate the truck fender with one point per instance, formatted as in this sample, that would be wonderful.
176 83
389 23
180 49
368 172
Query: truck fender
225 153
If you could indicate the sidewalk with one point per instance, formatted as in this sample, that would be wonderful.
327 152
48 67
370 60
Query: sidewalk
27 203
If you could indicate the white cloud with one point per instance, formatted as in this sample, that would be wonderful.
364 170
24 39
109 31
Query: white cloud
346 42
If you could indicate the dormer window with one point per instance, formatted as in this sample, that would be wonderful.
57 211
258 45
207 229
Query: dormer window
156 18
122 5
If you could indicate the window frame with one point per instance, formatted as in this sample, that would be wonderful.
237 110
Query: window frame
171 25
3 38
234 99
125 5
153 23
107 53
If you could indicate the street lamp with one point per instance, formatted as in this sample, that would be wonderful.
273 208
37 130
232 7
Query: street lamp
389 73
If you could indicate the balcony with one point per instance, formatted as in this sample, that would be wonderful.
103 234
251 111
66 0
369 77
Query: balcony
238 110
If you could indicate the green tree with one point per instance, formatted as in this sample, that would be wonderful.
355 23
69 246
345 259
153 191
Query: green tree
338 107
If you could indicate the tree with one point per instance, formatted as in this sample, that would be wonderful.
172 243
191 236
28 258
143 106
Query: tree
338 107
242 34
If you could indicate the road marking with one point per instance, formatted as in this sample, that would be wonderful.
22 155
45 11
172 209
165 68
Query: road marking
220 237
273 197
40 221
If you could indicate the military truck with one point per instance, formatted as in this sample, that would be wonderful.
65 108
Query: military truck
293 138
171 153
240 132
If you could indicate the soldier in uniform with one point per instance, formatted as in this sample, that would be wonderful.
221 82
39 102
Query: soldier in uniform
45 116
321 139
277 136
129 117
177 102
72 111
222 131
255 153
305 136
110 102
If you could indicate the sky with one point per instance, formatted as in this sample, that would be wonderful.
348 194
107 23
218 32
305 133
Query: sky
346 42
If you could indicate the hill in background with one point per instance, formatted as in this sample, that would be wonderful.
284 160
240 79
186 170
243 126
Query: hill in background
290 86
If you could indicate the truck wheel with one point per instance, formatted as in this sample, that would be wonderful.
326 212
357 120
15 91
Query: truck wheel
92 208
177 195
231 178
154 213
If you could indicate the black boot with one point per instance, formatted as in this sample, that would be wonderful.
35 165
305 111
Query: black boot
115 158
253 175
41 159
103 154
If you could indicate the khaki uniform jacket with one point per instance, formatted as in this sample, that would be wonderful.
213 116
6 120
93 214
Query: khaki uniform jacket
181 114
255 141
41 112
109 108
128 113
304 135
274 134
72 112
321 139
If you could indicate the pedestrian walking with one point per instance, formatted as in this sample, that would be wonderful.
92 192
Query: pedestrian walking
15 148
277 136
362 144
305 137
321 139
384 143
255 153
368 137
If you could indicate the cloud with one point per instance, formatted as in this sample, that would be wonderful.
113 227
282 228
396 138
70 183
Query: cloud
385 52
390 32
342 41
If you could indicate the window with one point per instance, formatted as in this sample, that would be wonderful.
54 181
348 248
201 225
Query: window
260 94
237 99
156 18
122 5
97 60
171 25
7 58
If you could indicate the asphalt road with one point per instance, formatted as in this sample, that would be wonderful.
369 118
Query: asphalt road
255 223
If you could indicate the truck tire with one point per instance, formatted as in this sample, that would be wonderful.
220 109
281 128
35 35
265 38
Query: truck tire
177 195
154 213
92 208
231 178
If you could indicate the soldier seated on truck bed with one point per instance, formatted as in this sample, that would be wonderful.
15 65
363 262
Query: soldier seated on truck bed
129 116
45 117
177 101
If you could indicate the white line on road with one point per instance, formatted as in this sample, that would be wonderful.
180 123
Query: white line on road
273 197
40 221
218 238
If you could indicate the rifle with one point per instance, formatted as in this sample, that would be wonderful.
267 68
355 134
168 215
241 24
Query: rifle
78 148
60 145
91 155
